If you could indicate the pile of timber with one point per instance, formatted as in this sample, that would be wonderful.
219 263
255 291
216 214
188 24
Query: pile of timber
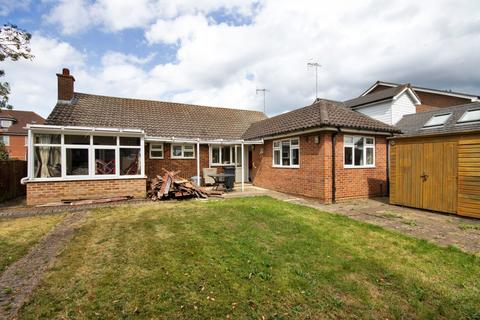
172 186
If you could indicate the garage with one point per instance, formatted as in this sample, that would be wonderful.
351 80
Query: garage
435 163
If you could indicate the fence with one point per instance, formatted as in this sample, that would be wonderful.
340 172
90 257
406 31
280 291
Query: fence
11 171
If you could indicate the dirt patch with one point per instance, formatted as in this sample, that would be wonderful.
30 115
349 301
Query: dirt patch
20 279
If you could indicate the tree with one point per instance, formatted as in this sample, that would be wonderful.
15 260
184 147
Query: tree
4 155
14 45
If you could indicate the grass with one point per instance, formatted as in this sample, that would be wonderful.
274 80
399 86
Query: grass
251 258
19 234
468 226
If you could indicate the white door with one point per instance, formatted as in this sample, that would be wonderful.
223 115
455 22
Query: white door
238 164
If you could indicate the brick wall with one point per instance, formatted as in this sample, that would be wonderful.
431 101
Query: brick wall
17 148
314 177
306 180
54 191
187 167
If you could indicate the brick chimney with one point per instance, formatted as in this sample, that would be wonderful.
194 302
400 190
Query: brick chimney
65 85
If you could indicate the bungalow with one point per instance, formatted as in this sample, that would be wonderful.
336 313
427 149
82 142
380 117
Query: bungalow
96 146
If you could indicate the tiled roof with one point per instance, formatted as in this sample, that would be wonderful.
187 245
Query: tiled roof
20 119
157 118
382 95
322 113
412 124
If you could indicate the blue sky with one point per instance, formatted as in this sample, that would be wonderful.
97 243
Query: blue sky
218 52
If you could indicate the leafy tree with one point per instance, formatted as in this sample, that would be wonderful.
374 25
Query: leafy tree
14 45
4 155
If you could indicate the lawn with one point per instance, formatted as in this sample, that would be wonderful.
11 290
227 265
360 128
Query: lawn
19 234
251 258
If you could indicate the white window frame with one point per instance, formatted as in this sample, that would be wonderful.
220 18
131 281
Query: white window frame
221 146
428 125
3 123
465 114
6 140
365 147
297 146
156 148
183 150
91 156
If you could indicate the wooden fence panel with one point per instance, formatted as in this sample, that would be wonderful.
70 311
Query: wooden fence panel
11 172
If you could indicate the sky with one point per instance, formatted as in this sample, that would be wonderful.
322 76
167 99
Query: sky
218 52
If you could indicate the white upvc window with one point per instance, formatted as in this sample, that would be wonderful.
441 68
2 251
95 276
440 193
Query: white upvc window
358 152
5 140
83 156
286 153
222 155
156 150
183 151
6 123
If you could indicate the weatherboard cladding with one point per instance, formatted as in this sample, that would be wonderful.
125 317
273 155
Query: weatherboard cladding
412 125
322 113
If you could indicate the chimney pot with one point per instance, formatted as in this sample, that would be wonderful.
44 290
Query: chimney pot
66 72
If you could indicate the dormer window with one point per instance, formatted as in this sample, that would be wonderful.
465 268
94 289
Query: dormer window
6 123
470 116
437 120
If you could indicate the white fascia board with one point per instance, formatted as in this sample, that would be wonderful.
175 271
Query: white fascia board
370 132
54 128
411 93
202 141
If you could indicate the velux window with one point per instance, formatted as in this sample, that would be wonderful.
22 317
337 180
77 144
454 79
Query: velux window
286 153
359 151
470 116
437 120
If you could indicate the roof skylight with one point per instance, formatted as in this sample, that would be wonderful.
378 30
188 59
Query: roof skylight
470 116
437 120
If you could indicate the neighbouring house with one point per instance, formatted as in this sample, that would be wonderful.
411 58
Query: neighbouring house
389 102
94 146
13 132
435 162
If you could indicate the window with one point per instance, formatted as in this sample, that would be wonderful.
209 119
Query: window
156 151
183 151
437 120
359 151
223 155
5 140
6 123
77 155
470 116
47 151
286 153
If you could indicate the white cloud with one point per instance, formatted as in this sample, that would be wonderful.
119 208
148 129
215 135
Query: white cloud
7 6
429 43
72 15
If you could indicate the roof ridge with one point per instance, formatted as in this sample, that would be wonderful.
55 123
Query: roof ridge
169 102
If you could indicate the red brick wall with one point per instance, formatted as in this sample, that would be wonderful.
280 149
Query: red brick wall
314 177
187 167
55 191
17 148
306 180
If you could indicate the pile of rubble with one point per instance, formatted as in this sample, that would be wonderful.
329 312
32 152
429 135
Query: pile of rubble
172 186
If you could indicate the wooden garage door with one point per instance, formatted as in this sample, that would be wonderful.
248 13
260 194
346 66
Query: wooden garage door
426 175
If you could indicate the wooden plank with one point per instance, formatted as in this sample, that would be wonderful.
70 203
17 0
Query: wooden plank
469 141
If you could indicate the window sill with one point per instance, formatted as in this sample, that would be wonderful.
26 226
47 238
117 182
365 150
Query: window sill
156 158
223 165
85 178
359 167
286 167
182 158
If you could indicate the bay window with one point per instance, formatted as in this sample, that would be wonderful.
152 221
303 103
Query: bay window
286 153
183 151
85 156
359 151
